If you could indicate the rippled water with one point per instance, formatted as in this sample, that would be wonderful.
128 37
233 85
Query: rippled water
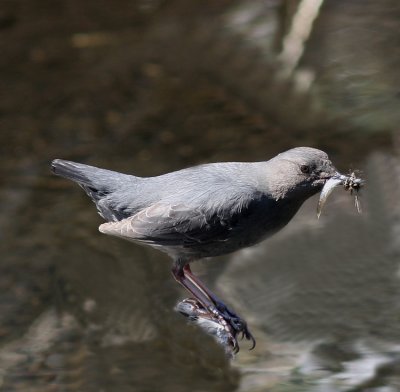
150 87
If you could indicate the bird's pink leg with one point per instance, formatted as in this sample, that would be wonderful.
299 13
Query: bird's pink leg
233 323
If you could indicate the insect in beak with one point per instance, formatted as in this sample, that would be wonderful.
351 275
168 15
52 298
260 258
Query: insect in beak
350 183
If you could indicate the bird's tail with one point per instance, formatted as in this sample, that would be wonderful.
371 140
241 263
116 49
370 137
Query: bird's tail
96 182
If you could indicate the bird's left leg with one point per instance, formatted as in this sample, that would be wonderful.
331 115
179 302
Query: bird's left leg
234 324
235 321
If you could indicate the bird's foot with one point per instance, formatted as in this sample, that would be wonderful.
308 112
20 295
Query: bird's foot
234 324
207 310
218 321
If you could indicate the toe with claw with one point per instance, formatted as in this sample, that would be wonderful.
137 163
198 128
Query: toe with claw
220 322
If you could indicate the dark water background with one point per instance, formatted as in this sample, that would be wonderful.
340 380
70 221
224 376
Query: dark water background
152 86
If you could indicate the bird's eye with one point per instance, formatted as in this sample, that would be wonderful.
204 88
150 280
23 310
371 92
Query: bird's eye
305 169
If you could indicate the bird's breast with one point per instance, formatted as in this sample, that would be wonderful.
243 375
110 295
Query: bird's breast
257 221
265 218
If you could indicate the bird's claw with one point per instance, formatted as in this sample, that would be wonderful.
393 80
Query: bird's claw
245 333
238 324
211 321
234 326
218 321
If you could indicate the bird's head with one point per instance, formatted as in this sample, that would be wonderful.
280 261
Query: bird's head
301 172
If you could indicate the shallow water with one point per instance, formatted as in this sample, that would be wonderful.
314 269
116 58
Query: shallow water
160 89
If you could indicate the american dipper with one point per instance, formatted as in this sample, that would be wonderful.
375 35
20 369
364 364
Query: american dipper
204 211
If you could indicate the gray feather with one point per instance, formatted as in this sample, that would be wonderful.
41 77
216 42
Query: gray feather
204 210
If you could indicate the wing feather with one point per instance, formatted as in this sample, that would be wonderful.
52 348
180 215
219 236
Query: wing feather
168 224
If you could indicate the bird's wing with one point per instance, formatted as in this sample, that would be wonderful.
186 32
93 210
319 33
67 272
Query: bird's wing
169 224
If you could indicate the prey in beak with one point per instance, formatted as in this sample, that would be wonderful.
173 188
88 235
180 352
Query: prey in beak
350 183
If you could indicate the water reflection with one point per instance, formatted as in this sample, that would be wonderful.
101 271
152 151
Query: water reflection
81 311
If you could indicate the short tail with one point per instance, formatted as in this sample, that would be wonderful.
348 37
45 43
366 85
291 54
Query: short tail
73 171
96 182
101 185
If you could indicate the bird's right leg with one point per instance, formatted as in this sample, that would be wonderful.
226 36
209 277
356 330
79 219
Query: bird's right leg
193 286
232 323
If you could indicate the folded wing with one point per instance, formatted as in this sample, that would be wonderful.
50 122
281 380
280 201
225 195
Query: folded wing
171 225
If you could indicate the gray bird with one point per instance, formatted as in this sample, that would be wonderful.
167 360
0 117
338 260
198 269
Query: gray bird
204 211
